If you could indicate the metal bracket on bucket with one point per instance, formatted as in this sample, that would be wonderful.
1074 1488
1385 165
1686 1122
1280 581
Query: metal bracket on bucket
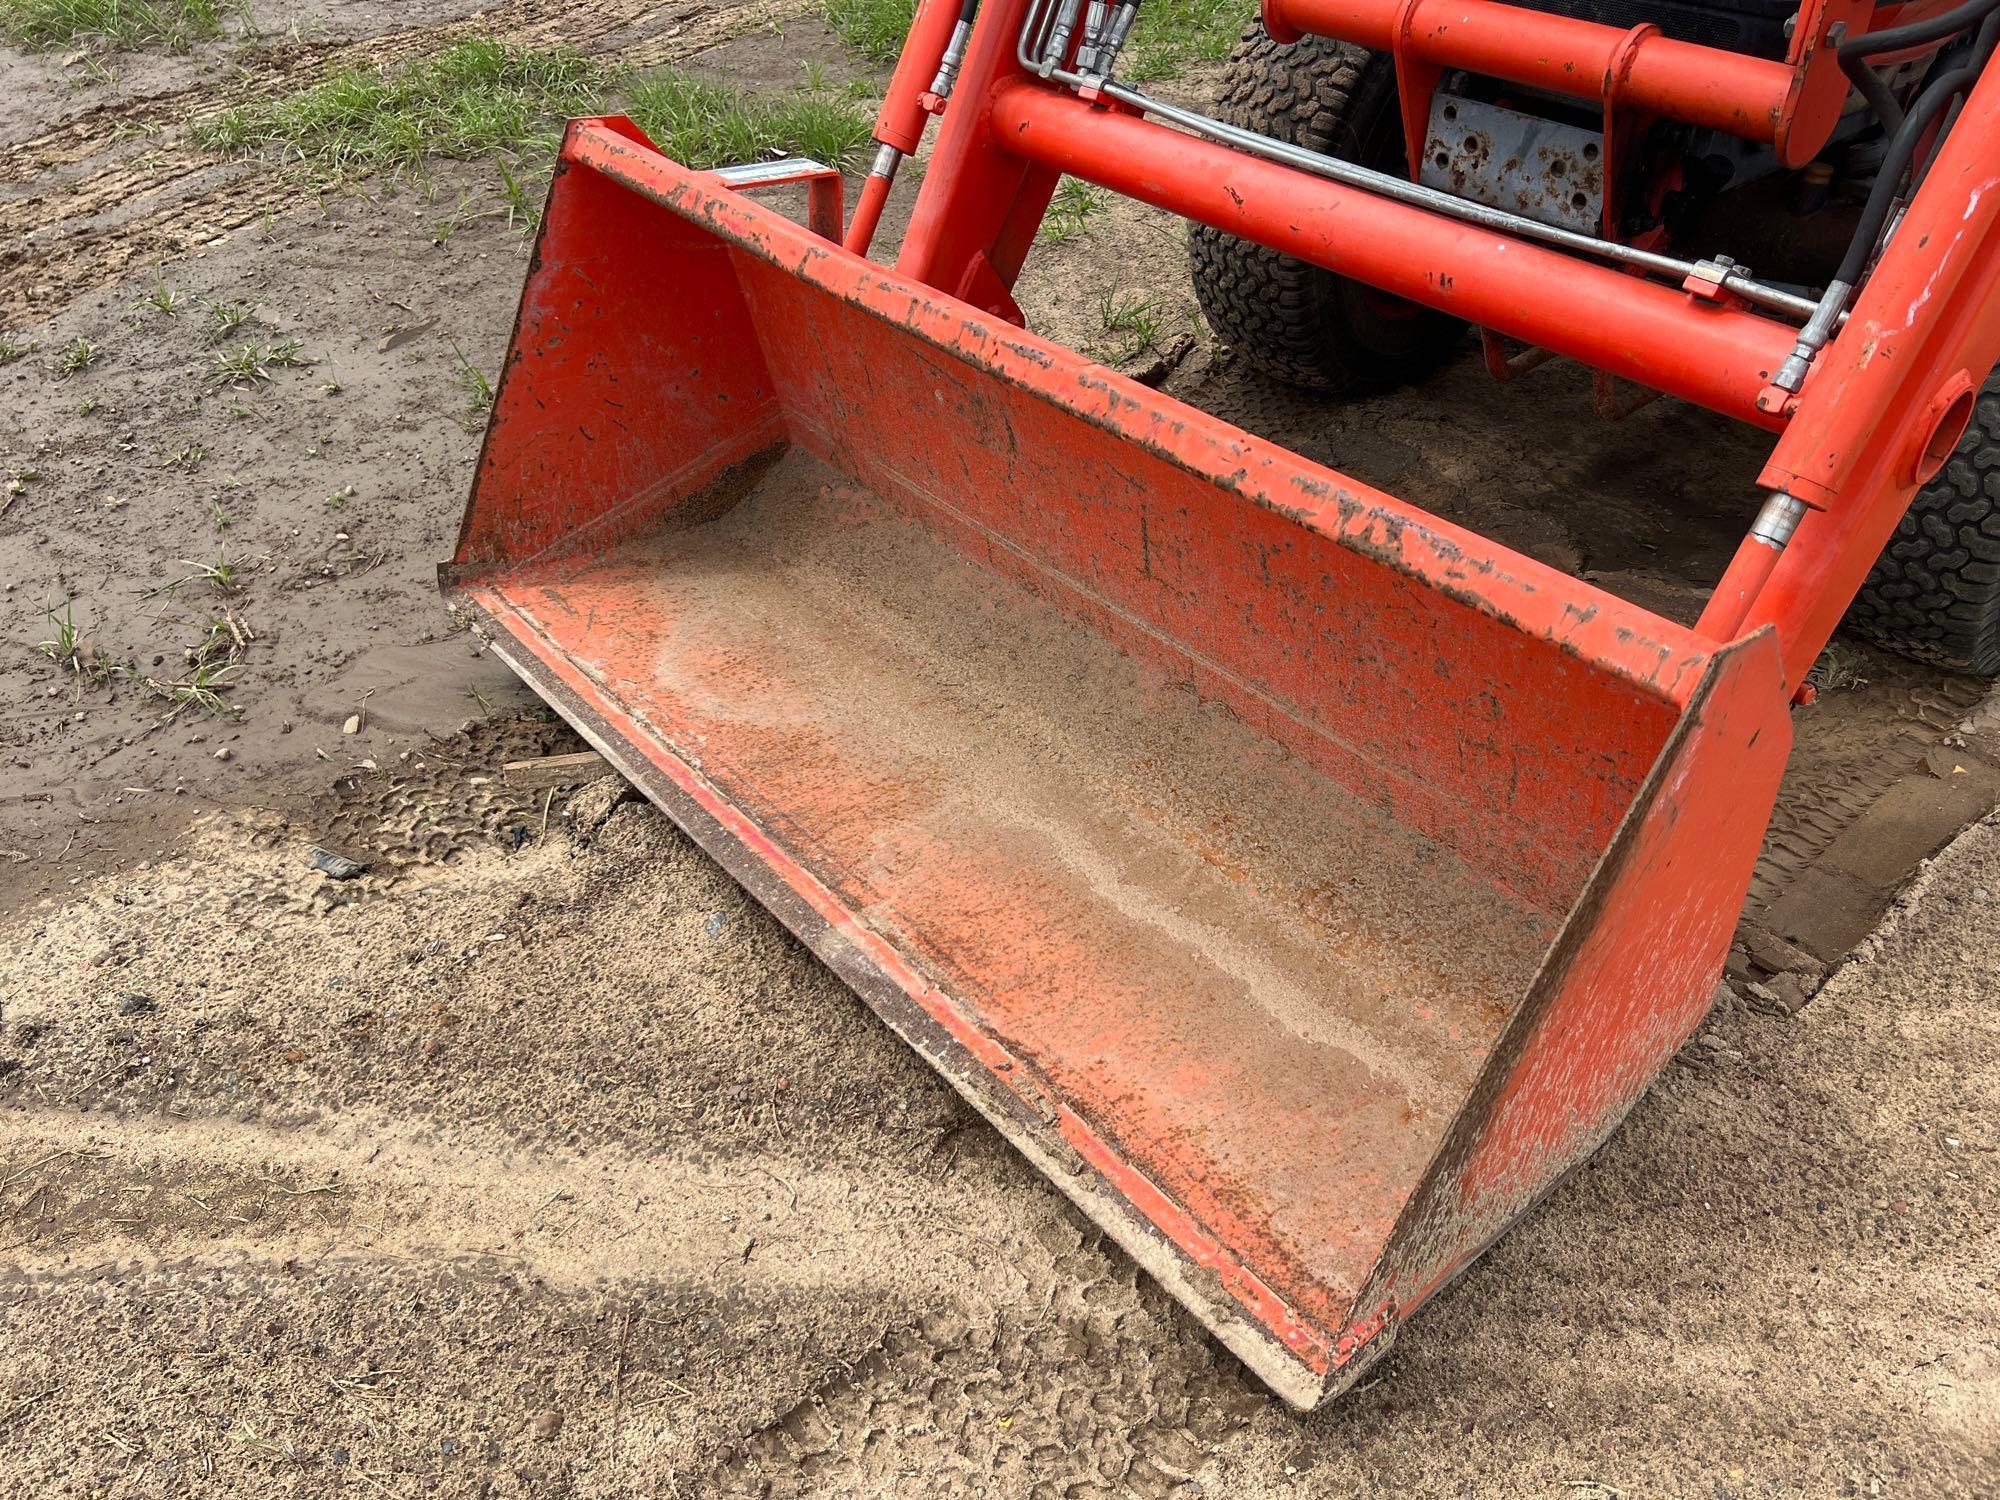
825 194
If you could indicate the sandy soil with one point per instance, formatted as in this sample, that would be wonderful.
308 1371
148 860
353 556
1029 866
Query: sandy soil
366 1179
440 1180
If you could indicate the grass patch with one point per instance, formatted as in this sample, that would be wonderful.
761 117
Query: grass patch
486 99
12 348
164 299
1839 669
1169 37
201 688
707 125
225 318
478 389
68 650
65 643
475 99
78 354
1172 35
246 364
874 28
225 574
173 24
1132 322
472 380
1070 211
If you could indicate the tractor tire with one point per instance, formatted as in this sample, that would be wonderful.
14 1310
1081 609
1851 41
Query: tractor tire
1292 320
1934 595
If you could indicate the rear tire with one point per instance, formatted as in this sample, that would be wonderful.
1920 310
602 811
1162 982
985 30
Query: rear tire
1294 321
1934 595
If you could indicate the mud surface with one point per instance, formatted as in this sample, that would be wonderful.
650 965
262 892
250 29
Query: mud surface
538 1161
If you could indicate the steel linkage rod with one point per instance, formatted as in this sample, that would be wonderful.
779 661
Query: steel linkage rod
1037 53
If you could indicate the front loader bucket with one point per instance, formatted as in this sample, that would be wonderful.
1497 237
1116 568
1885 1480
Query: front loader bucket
1302 882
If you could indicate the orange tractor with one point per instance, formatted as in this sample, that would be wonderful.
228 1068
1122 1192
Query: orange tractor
1303 882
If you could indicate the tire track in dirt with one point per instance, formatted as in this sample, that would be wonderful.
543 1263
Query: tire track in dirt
34 283
1083 1391
1847 757
588 1235
783 1287
89 1189
154 176
101 188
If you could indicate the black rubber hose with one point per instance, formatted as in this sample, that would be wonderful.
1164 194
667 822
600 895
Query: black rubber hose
1982 49
1864 77
1896 161
1855 52
1917 33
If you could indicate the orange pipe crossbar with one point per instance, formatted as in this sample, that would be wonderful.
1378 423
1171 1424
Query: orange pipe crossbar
1718 357
1700 85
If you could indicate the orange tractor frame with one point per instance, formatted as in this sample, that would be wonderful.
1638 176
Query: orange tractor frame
1303 882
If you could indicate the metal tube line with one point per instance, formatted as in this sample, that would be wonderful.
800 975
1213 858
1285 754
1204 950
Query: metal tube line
1719 356
1405 191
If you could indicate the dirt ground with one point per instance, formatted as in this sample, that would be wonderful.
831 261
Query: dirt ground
538 1160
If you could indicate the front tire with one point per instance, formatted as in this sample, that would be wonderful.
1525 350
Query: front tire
1293 320
1934 595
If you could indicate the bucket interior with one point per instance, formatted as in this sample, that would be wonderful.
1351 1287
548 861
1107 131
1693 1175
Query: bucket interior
1219 807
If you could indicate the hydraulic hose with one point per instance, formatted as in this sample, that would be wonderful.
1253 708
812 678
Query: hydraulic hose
1854 54
1863 76
1989 31
1918 33
1902 147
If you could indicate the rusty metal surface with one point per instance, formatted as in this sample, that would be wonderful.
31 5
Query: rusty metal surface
1540 168
1203 813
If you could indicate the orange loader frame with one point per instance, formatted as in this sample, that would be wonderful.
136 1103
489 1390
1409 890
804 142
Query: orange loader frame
1299 1103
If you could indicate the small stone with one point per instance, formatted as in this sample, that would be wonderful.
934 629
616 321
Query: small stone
333 866
225 753
337 1457
137 1005
1762 992
547 1425
715 923
353 724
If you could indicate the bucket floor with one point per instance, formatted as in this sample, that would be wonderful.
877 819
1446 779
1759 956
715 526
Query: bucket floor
1263 993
